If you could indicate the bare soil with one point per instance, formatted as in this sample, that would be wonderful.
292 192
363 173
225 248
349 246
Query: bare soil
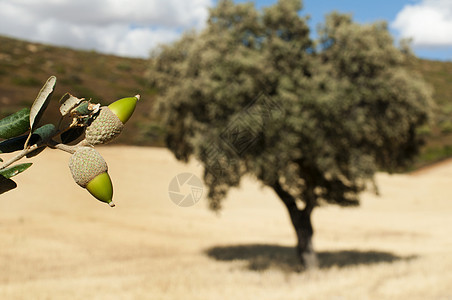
57 242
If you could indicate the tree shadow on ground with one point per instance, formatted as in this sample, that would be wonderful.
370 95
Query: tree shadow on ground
260 257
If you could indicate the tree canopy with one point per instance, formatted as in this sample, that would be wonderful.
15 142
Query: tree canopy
314 120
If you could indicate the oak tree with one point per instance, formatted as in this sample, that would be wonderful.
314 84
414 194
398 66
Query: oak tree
255 94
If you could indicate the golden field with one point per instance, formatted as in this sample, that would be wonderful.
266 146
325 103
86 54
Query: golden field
57 242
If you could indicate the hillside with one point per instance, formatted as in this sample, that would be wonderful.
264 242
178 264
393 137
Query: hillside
439 138
25 66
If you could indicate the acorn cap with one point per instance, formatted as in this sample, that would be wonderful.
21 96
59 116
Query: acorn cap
124 107
89 170
104 128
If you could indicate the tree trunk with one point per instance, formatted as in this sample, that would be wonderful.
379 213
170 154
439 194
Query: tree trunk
301 221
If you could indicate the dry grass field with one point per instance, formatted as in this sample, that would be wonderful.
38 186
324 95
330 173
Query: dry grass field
56 242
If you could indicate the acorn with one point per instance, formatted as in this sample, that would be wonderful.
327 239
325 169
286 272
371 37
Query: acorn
90 171
110 121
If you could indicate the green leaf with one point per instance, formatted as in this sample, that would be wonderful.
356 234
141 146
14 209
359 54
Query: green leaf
15 124
16 143
86 108
41 134
41 102
45 131
6 184
14 170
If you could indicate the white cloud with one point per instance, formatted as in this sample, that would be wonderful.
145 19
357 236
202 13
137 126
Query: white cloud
428 23
122 27
139 41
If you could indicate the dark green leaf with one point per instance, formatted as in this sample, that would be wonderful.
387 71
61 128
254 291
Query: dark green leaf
16 143
45 132
84 108
6 184
72 134
41 102
15 124
14 170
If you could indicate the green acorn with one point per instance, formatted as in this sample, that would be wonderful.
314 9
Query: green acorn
110 121
90 171
124 108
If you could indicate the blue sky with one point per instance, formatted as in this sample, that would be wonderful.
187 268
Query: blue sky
371 11
133 27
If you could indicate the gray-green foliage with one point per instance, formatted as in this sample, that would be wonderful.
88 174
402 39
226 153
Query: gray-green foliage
254 94
15 124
